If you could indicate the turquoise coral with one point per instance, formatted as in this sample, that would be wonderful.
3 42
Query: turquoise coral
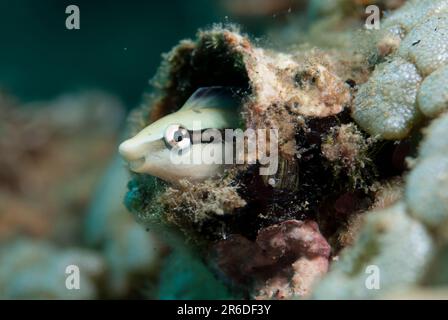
390 240
427 45
386 105
427 184
131 253
37 270
427 191
433 95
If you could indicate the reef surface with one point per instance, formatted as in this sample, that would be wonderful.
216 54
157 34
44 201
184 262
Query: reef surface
362 174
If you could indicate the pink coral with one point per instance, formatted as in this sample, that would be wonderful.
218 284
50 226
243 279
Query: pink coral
284 260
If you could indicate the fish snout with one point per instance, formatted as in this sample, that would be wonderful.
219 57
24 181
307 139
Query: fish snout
134 152
131 150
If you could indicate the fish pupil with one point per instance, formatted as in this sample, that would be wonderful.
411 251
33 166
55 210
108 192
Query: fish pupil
178 136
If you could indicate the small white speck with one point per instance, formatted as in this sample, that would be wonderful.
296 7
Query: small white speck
125 49
271 181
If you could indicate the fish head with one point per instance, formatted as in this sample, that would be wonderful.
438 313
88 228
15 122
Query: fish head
167 148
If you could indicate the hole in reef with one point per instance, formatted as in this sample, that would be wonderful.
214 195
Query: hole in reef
205 65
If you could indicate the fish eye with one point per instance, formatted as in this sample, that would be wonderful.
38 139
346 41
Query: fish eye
177 137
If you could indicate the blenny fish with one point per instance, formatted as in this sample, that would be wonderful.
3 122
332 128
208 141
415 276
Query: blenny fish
150 151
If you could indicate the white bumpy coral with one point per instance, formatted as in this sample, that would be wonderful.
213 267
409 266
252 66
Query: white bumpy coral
412 79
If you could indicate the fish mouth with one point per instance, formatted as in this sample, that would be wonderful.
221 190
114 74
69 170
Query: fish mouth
137 164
